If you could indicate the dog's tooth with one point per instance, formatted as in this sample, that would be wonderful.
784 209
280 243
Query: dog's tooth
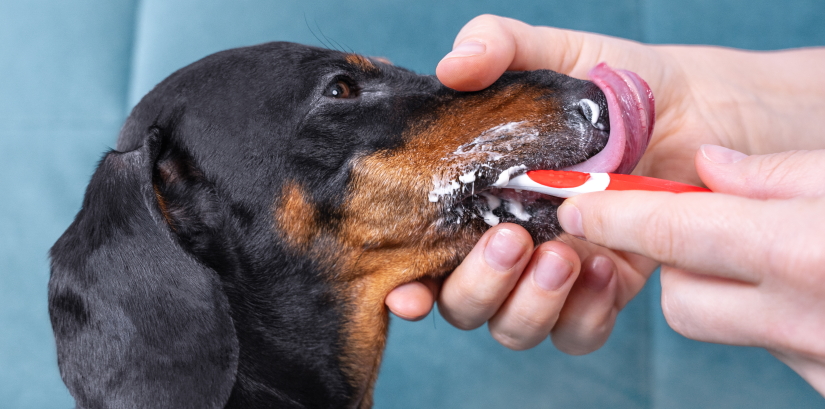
591 111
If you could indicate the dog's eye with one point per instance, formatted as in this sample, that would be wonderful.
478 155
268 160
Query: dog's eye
340 89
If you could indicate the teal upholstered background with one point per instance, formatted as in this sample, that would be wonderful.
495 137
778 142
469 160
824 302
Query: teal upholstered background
70 71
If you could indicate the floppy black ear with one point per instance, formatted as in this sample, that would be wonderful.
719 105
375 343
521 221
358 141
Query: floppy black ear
139 322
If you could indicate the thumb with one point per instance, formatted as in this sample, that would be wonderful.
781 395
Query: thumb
781 175
489 45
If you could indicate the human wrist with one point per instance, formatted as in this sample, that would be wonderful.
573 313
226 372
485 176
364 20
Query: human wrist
797 98
754 102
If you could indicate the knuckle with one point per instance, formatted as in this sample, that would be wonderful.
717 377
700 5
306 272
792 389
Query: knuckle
659 234
477 26
519 330
458 320
674 314
487 19
786 175
585 336
576 348
478 299
771 171
532 324
468 309
786 254
581 343
514 341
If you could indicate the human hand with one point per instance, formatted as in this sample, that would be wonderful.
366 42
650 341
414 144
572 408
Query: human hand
702 96
742 268
574 290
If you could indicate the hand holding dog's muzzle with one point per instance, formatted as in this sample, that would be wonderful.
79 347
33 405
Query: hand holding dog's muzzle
594 283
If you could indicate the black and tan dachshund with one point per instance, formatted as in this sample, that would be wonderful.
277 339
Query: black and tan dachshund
235 250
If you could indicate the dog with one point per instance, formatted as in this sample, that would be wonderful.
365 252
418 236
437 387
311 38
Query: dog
235 249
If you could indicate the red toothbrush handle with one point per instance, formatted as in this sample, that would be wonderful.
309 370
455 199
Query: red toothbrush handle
559 178
633 182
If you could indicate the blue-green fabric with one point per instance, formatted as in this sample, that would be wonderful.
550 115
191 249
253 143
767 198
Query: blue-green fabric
64 71
70 71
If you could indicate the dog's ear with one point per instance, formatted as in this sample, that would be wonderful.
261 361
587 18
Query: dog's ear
139 322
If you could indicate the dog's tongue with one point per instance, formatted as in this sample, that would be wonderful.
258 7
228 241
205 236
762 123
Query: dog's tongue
631 112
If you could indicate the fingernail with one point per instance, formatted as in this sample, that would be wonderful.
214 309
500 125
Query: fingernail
570 219
598 272
467 49
501 253
721 155
551 271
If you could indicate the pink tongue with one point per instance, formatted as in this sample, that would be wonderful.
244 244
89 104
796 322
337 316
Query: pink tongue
631 111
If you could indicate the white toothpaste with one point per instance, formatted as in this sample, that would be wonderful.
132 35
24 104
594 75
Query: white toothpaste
504 176
517 209
492 201
468 177
442 188
490 218
518 133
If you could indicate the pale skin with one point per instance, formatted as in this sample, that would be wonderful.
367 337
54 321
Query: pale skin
744 265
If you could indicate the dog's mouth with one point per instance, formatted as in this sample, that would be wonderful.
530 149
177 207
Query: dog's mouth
621 117
632 113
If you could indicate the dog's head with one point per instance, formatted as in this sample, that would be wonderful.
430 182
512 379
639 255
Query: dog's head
236 248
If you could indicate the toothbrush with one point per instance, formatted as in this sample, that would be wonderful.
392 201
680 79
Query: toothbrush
566 183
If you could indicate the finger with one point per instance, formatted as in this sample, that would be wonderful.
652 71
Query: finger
483 50
588 316
533 306
783 313
488 45
778 176
708 233
412 301
713 309
632 269
478 287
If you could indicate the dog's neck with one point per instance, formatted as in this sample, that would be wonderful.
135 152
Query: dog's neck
365 334
305 341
